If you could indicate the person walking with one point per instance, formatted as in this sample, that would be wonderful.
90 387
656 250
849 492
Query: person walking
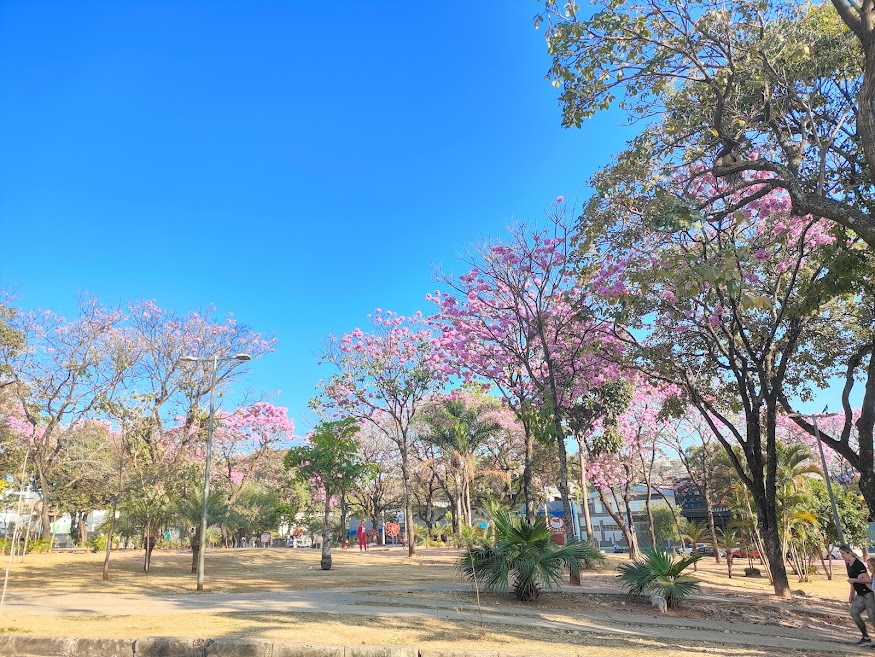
861 596
363 537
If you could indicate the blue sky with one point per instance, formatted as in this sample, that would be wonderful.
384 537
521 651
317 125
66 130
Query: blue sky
297 164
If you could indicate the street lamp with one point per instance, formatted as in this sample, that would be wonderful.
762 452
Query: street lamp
215 360
832 500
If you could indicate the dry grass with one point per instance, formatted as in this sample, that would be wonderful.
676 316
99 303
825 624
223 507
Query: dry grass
278 569
341 630
229 571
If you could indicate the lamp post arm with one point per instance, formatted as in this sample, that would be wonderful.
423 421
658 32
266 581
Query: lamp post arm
832 500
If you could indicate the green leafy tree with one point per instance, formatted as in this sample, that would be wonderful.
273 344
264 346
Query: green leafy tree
853 514
774 88
727 541
189 511
696 533
329 461
459 425
664 524
524 558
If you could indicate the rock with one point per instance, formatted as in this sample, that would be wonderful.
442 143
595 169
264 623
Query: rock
232 648
305 650
170 647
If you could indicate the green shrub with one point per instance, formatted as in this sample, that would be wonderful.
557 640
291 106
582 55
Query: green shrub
97 543
524 558
660 572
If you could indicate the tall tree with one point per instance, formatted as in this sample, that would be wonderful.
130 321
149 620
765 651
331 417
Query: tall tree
459 424
522 318
382 378
63 375
772 87
329 461
735 310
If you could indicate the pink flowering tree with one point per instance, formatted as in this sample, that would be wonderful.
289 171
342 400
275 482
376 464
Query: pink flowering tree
733 305
382 378
160 402
168 391
625 460
522 319
61 376
246 442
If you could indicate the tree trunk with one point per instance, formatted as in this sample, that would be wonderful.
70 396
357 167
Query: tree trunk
105 575
616 515
649 510
709 509
468 511
325 563
865 426
408 503
771 546
147 539
195 540
44 507
574 574
344 521
866 98
632 538
528 491
458 501
584 494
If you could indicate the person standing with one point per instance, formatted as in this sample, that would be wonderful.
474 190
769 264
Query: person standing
363 537
861 596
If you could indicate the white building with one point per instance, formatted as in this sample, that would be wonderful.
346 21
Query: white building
607 532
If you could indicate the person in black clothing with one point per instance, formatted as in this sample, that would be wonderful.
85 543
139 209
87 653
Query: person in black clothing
861 596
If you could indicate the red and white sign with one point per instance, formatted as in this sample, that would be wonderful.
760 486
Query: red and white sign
393 529
557 526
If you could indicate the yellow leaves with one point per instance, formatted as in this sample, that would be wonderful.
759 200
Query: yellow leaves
555 83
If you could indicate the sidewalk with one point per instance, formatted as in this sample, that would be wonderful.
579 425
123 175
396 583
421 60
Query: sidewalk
362 602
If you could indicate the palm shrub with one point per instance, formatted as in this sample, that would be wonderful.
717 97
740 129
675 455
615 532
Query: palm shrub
524 558
659 572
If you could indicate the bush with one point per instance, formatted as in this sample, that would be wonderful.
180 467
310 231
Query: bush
38 545
660 572
524 558
752 572
97 543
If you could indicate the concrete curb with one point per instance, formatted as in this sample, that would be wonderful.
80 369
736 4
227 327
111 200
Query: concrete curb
35 646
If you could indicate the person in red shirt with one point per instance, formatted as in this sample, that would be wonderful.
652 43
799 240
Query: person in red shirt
363 537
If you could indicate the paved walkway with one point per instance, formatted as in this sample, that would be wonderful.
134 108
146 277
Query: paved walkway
377 602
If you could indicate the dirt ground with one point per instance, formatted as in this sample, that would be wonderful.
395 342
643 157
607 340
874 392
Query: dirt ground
228 571
282 569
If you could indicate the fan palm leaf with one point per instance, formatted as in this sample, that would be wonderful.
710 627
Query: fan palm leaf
524 558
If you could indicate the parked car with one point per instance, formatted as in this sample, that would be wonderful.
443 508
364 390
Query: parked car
738 553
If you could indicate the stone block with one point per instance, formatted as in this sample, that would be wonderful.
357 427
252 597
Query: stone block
44 646
305 650
102 648
7 644
380 651
241 648
170 647
446 652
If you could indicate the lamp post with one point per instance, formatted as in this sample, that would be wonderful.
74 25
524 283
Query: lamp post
215 360
832 500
